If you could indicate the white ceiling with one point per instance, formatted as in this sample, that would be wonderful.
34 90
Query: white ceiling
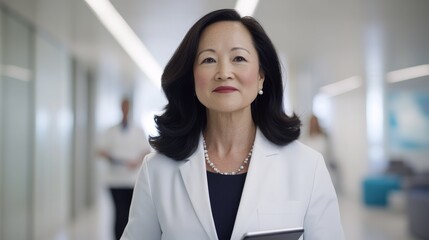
325 41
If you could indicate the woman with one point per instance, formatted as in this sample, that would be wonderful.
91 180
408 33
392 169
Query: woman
316 137
227 158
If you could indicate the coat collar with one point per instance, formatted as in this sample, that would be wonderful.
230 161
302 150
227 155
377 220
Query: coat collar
263 152
195 179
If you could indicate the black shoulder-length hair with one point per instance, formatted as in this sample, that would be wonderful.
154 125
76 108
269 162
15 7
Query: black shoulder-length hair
184 118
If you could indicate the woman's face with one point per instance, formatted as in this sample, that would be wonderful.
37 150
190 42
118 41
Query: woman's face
226 68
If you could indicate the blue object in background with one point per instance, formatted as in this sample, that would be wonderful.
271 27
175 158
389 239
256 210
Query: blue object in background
376 189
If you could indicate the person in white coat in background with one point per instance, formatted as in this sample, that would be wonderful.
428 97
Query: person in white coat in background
124 147
318 139
227 159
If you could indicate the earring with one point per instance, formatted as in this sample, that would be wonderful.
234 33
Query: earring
260 92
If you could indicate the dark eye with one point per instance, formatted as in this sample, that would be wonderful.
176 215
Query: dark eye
239 59
208 60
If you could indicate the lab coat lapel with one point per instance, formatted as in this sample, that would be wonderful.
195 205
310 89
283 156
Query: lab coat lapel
264 152
195 179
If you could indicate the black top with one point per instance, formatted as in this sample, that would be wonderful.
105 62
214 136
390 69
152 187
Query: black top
225 194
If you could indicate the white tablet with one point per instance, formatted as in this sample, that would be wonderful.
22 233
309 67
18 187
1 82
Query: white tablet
277 234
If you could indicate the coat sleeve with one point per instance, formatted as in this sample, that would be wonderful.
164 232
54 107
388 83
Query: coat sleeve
143 220
322 220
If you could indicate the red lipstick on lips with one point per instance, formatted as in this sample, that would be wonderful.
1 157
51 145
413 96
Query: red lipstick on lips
225 89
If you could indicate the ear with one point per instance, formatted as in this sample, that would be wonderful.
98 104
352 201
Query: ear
261 80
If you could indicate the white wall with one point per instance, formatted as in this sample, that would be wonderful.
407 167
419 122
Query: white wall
108 93
348 138
149 100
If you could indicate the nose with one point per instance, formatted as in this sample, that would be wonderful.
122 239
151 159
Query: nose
224 71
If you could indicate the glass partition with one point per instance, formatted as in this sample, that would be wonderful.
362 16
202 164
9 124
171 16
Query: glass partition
17 130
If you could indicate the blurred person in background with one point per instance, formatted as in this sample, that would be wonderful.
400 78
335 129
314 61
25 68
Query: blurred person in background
227 159
124 147
317 139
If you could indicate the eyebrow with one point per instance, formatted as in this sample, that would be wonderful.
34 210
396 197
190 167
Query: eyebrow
205 50
232 49
240 48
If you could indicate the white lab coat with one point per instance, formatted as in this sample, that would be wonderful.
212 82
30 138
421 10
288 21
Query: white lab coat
286 187
124 146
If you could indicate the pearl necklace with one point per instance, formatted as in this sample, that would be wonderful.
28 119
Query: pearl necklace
211 164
